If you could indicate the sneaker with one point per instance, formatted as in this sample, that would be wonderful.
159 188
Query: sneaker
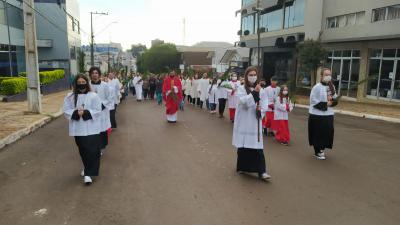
87 180
83 173
320 156
285 143
265 176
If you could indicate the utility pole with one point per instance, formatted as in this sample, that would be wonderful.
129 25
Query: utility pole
92 36
258 33
31 55
9 38
108 58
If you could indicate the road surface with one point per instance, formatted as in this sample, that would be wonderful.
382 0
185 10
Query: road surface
155 173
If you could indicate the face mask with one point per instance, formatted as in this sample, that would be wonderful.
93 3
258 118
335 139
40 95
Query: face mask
285 92
81 87
252 79
327 79
219 81
234 78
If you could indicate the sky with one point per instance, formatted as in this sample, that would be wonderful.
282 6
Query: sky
140 21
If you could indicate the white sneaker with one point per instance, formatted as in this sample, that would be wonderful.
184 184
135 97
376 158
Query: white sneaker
83 173
87 180
320 156
265 176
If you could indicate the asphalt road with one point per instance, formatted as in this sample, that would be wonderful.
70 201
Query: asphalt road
155 173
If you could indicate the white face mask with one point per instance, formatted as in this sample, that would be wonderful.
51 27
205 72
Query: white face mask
218 81
327 79
234 78
285 92
252 79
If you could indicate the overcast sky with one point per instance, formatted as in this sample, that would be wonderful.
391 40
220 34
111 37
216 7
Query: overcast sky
140 21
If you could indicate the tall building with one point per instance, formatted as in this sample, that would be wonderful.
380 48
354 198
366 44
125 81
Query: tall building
106 55
361 37
58 36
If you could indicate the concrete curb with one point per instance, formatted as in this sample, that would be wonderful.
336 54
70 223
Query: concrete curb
360 115
28 130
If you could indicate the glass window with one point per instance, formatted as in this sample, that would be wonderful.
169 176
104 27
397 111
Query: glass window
389 53
350 19
393 12
356 53
337 54
248 23
15 17
294 14
342 21
376 53
347 53
355 71
247 2
73 52
373 76
331 22
398 53
378 14
272 20
2 14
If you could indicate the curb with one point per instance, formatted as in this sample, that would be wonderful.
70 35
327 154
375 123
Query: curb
28 130
360 115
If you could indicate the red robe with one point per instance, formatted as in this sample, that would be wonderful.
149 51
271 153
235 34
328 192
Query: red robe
171 104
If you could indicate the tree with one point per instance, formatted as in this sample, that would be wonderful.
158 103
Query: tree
311 55
160 58
137 50
81 61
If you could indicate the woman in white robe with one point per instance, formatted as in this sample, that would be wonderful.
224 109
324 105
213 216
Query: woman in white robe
107 99
321 115
212 96
83 110
195 93
188 89
203 89
247 131
138 83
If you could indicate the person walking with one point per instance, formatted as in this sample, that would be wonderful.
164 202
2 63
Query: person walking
152 83
247 129
222 95
283 106
203 90
82 108
195 92
323 98
232 97
146 88
212 96
138 83
159 87
188 89
172 95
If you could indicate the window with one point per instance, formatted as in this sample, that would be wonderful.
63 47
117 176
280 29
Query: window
345 20
73 23
247 2
2 14
248 23
386 13
78 26
73 52
294 14
393 12
15 17
272 21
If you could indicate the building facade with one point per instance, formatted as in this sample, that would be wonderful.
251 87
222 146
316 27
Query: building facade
362 40
57 30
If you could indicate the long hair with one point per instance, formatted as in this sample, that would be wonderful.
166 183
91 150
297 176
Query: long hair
75 89
247 84
281 96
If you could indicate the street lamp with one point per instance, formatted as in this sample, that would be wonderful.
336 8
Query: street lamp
92 35
258 10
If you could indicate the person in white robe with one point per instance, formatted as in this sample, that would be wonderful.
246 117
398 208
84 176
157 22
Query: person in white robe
247 131
188 89
83 110
195 92
222 95
203 89
212 96
232 97
323 98
103 91
114 85
138 83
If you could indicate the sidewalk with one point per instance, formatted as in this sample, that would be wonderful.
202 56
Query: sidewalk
368 110
16 122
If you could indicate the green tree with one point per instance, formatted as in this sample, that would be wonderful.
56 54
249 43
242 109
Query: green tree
311 55
137 50
158 59
81 61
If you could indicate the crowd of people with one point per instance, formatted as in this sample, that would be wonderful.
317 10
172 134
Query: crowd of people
255 109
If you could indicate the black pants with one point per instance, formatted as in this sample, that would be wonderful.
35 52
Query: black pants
145 93
89 149
251 161
201 104
152 92
112 117
198 102
189 99
221 107
104 140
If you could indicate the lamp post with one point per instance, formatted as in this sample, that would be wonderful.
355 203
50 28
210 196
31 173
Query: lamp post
92 35
258 10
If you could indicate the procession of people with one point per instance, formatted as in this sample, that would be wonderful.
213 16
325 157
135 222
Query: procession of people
255 109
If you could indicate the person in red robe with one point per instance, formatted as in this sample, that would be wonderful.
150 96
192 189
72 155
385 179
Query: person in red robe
172 95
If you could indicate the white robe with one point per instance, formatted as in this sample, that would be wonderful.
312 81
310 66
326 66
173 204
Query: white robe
115 87
212 94
222 92
245 134
188 87
195 85
104 93
90 102
138 87
271 93
280 111
202 89
232 98
319 93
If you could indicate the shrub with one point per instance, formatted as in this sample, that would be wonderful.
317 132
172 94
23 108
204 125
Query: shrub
47 77
4 78
22 74
13 86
